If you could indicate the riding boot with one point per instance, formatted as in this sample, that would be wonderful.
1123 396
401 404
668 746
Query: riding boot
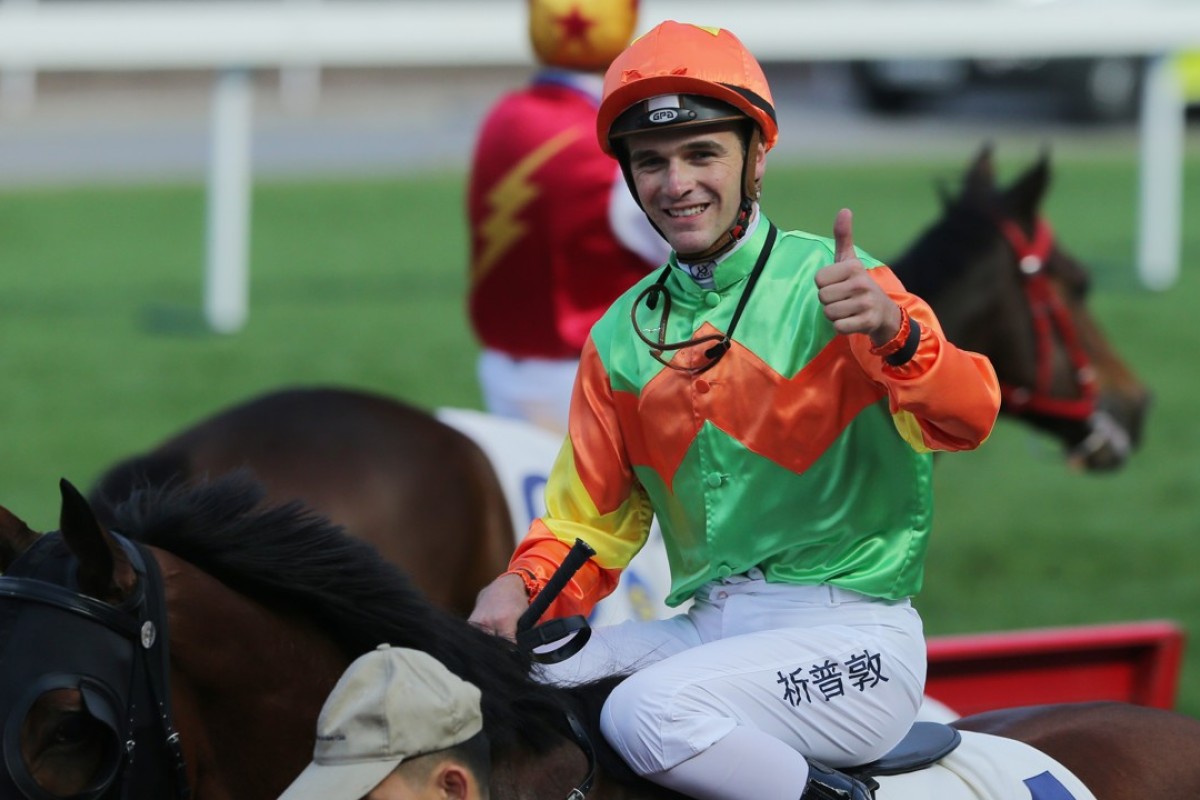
826 783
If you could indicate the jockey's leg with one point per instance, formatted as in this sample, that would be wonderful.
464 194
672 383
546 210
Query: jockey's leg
635 644
841 688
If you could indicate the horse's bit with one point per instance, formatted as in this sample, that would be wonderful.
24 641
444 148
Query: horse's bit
116 657
1050 317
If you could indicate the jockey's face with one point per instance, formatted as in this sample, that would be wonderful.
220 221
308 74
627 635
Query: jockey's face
690 182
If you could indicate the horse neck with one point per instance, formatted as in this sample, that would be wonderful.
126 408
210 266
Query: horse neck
247 686
959 287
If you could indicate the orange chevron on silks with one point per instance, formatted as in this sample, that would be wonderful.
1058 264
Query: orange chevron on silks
821 399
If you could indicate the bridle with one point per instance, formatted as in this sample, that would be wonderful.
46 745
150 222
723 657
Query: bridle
1051 318
129 693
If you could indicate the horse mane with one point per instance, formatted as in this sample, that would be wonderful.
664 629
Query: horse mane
937 256
296 562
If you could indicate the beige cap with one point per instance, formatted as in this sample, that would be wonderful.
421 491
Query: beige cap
391 704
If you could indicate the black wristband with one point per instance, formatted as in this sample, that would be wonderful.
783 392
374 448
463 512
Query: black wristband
909 349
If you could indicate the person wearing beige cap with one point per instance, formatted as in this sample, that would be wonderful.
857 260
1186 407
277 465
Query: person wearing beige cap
398 726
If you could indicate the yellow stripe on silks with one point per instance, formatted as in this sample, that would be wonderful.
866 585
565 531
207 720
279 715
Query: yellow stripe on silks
910 430
571 514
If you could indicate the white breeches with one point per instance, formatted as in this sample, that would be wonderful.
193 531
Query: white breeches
834 674
537 390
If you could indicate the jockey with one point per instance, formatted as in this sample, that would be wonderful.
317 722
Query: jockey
773 398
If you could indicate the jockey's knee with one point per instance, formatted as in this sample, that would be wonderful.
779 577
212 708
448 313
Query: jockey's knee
655 727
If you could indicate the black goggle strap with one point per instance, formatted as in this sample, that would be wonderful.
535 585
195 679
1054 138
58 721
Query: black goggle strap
155 662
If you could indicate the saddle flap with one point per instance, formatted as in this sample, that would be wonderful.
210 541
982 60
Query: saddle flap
925 743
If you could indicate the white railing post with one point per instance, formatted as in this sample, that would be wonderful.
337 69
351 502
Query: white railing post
1160 206
227 274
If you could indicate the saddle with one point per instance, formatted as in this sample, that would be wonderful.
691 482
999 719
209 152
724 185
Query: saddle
925 743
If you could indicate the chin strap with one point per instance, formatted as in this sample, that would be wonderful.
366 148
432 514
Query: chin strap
726 240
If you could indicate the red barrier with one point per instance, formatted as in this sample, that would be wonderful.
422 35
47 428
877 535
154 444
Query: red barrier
1135 662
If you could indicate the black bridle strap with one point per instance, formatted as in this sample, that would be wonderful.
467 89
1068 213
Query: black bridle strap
589 752
158 671
49 594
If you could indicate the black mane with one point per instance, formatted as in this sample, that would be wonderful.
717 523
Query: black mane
935 259
290 559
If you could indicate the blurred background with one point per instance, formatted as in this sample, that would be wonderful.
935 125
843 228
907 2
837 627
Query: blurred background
357 258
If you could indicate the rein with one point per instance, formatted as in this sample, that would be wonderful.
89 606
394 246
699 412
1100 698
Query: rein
530 636
1051 318
142 621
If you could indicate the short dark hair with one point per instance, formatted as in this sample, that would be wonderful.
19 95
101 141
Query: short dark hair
476 754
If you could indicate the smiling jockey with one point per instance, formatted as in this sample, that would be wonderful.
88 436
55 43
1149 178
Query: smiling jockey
773 398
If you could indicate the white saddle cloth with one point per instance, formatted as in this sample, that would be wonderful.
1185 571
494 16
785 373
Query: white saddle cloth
987 767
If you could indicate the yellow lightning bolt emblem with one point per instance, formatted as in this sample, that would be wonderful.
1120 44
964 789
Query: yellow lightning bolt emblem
509 196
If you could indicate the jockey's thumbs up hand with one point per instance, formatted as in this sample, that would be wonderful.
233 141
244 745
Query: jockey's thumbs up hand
853 301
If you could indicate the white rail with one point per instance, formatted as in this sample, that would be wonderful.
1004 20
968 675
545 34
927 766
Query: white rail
232 36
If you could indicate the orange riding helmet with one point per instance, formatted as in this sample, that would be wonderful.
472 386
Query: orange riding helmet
581 34
691 65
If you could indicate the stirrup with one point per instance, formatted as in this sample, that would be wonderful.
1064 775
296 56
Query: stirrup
826 783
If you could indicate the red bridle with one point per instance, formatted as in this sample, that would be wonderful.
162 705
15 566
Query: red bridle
1051 317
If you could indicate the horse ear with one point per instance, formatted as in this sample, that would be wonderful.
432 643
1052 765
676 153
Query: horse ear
980 180
1024 196
15 538
945 195
105 572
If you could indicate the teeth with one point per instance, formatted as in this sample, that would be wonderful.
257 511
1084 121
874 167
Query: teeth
686 212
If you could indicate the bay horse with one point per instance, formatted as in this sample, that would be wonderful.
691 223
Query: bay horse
190 654
1003 285
421 492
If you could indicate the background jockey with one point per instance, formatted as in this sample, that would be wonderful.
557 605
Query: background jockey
772 397
552 243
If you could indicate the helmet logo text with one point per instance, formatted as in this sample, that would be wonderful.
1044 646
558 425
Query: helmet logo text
662 115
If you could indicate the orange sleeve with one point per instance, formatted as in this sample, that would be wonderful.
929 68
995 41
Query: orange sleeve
538 556
943 398
591 494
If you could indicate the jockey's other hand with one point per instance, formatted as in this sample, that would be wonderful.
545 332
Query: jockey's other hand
499 605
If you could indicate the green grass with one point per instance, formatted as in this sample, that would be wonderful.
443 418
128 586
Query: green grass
362 283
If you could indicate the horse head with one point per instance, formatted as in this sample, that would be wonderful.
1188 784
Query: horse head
1003 285
83 701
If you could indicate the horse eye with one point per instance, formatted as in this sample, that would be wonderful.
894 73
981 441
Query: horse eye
73 728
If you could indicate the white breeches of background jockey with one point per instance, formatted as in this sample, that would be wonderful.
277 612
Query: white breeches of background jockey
534 389
836 675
